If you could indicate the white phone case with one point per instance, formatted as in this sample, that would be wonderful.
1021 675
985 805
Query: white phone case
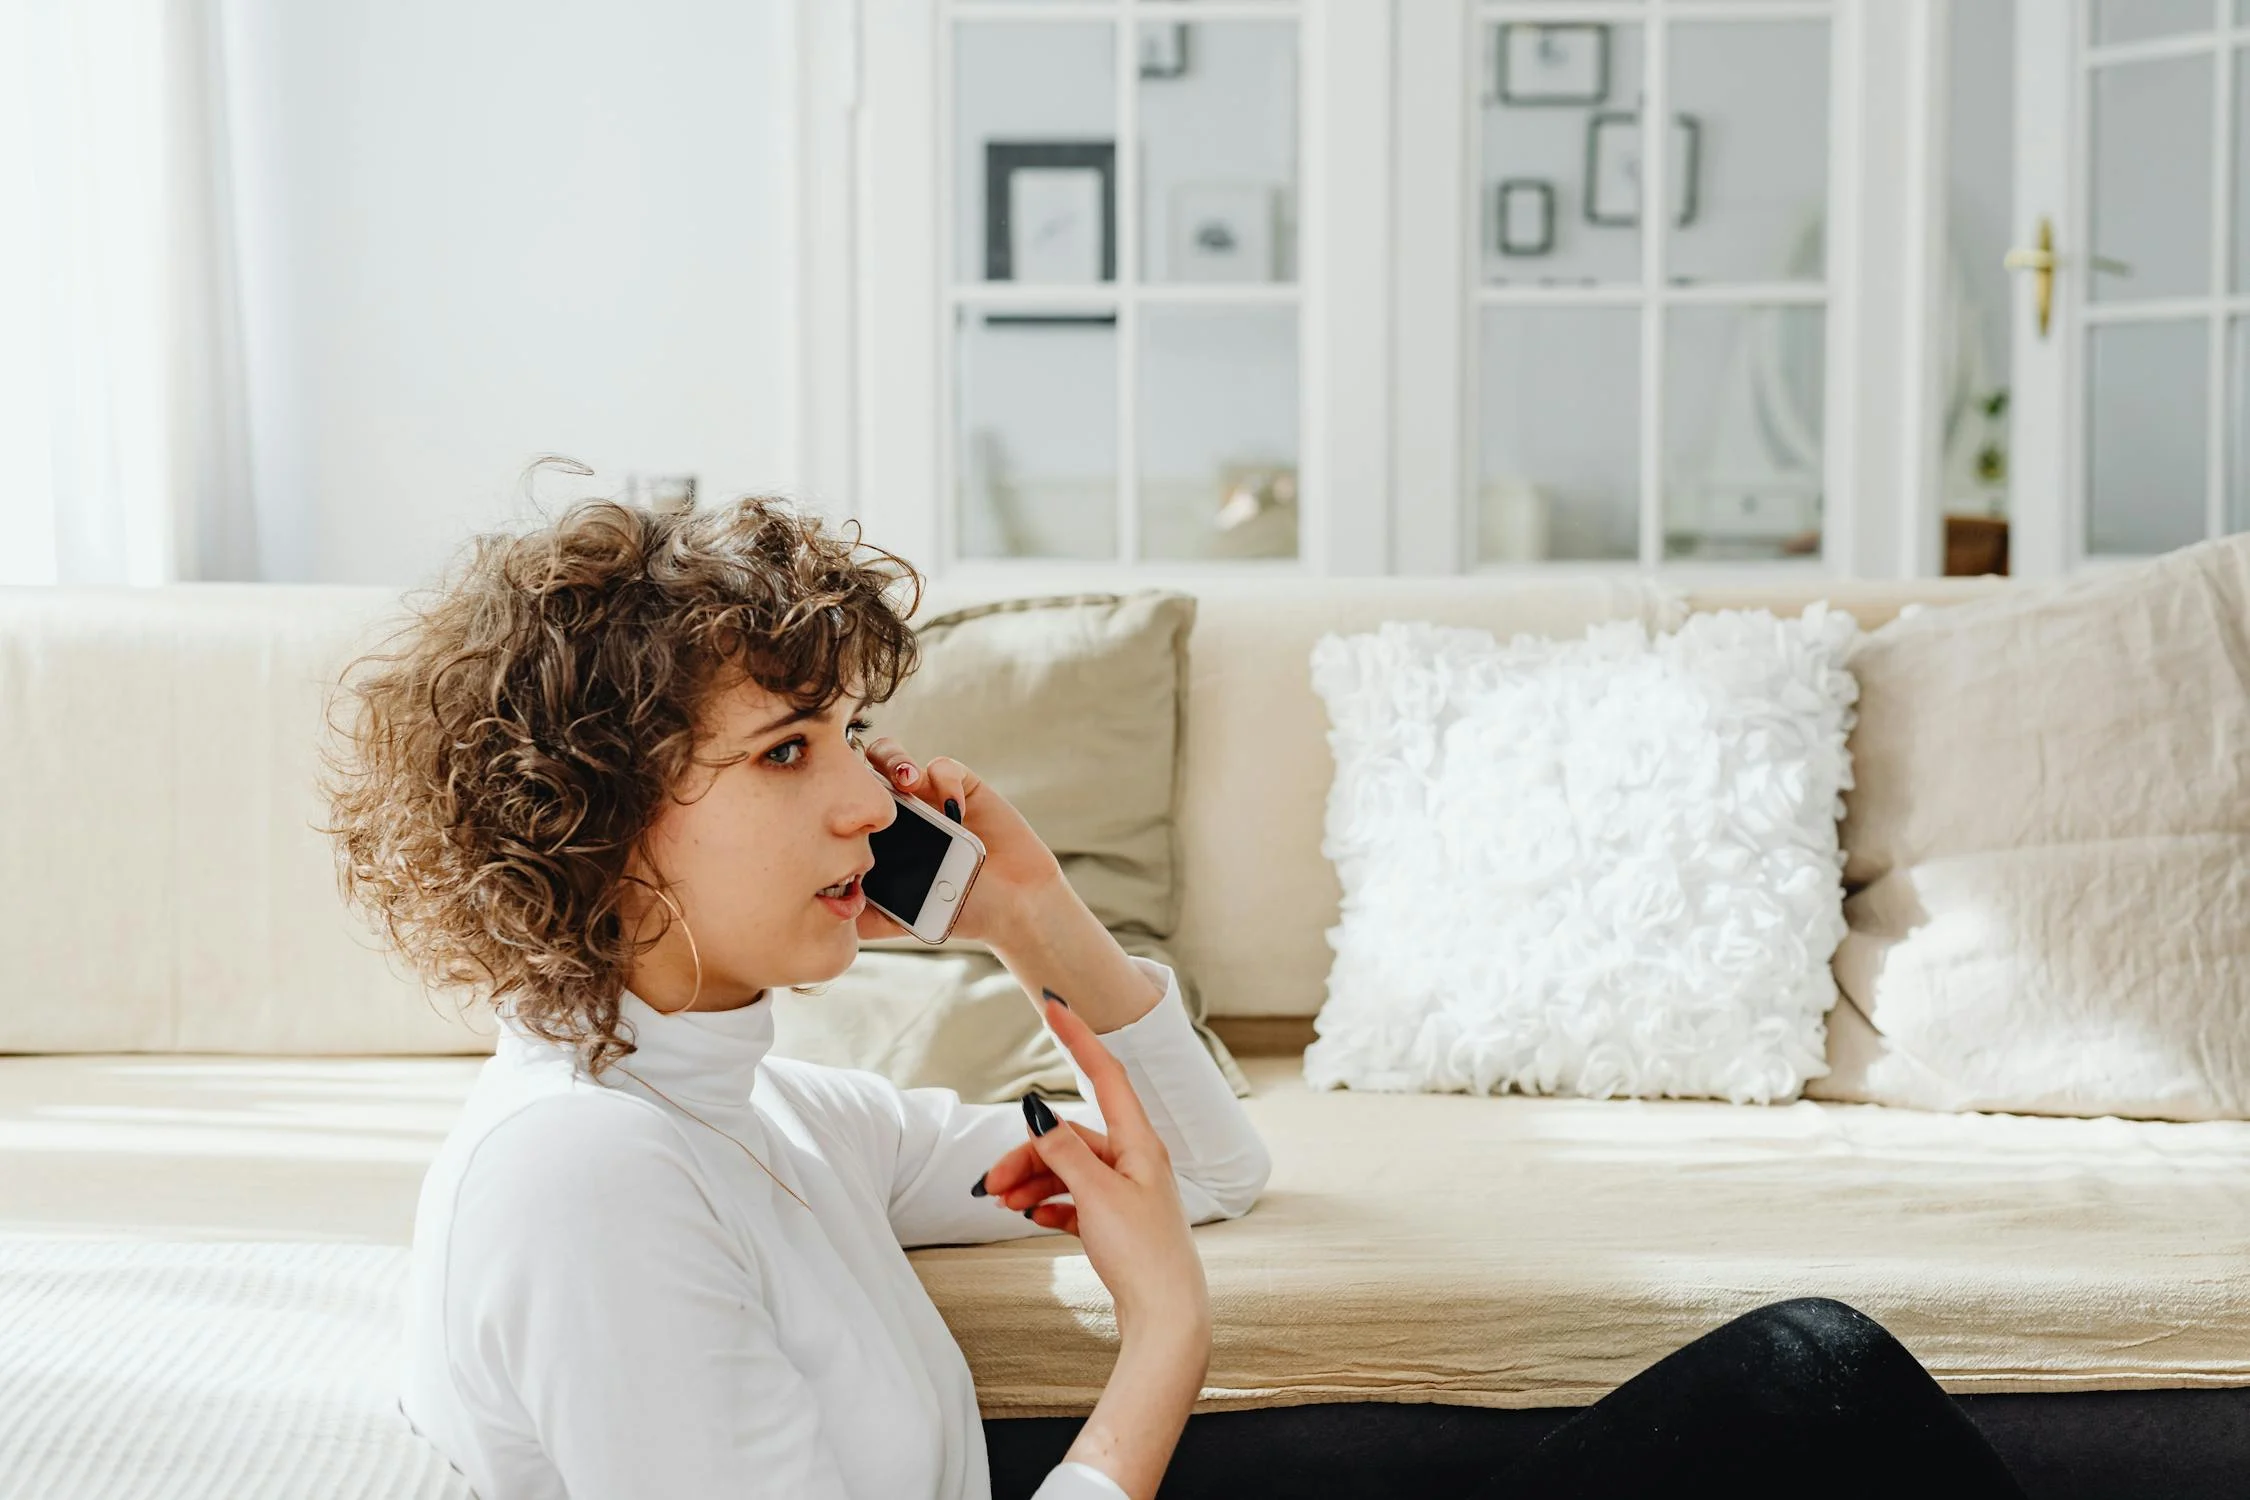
949 890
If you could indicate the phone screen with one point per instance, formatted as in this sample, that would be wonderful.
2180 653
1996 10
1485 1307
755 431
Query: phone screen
907 857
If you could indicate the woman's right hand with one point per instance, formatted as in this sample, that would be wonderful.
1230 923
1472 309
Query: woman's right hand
1126 1205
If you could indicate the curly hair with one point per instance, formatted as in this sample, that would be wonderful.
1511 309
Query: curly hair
503 762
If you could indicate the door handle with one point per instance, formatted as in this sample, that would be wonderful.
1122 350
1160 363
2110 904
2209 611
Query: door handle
2041 263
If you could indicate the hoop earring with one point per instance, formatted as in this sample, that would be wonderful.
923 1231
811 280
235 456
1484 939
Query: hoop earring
693 952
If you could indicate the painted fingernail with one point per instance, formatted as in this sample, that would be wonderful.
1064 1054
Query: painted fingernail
953 809
980 1190
1051 995
906 773
1037 1115
1027 1213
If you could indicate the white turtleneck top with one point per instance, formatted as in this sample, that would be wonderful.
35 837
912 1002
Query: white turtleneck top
611 1301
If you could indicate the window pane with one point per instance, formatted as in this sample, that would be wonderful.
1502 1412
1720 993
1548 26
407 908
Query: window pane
2145 390
2151 177
2137 20
1755 211
1549 91
1035 129
1743 433
1558 475
1218 160
1218 448
1035 446
1975 346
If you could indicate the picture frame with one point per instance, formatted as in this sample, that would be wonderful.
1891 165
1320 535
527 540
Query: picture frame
1164 50
1523 216
1050 216
1613 168
1221 231
1550 64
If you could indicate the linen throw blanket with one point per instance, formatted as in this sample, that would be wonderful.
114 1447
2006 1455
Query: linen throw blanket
207 1371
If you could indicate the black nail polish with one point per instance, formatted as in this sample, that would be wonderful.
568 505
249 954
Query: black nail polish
1050 994
953 809
1027 1213
1037 1115
979 1190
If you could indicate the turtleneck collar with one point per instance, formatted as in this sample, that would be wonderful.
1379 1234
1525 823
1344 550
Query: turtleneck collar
703 1057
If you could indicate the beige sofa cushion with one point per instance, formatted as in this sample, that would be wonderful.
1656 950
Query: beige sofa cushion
166 883
1498 1252
2049 850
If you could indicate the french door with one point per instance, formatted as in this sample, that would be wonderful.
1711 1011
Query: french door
1364 286
2131 326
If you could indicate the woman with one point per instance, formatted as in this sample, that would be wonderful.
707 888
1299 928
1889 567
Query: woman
614 777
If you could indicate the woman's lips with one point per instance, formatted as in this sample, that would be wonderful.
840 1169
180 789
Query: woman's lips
847 906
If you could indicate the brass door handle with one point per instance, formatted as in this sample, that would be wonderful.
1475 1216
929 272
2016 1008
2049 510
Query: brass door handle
2041 263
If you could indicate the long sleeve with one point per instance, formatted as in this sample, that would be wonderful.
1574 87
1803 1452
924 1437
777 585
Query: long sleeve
1072 1480
944 1145
633 1332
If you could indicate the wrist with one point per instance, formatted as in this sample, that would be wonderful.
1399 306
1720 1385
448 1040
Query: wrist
1177 1329
1034 917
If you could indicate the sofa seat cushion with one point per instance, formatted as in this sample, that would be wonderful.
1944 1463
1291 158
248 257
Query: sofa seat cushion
1518 1251
1496 1252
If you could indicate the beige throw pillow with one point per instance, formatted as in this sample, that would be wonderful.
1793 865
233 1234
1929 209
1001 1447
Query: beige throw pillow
1072 707
2048 849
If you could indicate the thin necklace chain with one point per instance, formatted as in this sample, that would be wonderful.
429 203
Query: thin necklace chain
707 1125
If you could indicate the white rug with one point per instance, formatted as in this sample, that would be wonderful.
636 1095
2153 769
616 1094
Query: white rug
154 1371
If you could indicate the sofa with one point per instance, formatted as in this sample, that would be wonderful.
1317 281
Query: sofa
219 1096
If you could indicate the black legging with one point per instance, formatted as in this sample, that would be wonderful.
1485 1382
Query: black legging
1808 1396
1809 1393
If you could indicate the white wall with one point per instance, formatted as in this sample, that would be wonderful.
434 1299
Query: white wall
471 234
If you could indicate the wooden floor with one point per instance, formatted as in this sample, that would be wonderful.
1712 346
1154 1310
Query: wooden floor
1264 1036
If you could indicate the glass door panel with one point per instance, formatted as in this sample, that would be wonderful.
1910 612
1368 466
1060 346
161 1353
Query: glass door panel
1648 382
1035 452
1123 342
1559 423
1218 420
1558 203
1744 451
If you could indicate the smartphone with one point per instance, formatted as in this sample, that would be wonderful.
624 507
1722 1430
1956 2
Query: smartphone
924 865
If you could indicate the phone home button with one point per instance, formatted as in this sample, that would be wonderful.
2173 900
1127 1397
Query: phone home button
945 890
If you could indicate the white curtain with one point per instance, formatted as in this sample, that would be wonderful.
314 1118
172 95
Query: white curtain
122 412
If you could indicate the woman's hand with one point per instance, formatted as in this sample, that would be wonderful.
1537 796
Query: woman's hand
1126 1206
1016 865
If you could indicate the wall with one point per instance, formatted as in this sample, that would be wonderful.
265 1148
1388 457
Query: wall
471 234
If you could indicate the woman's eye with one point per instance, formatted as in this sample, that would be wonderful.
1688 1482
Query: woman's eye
789 752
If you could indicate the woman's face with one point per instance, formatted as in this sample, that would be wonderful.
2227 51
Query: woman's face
748 846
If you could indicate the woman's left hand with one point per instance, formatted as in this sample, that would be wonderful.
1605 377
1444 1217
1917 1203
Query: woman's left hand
1017 865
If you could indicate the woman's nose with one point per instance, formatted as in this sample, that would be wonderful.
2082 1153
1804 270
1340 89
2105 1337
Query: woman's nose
869 807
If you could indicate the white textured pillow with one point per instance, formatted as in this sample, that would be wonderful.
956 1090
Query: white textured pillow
1598 867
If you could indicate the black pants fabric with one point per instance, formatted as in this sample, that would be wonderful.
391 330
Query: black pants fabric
1808 1393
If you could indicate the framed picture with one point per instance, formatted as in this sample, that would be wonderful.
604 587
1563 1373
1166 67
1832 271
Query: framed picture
1613 168
1221 231
1543 64
1050 211
1050 215
1523 216
1164 50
